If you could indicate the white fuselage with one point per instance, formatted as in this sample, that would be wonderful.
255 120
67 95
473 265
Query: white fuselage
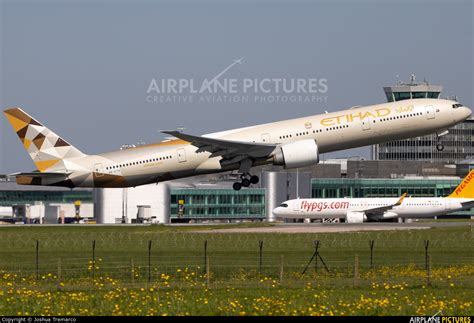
334 131
411 207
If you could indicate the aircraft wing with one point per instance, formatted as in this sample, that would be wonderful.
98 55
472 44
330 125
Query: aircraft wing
231 151
42 174
382 209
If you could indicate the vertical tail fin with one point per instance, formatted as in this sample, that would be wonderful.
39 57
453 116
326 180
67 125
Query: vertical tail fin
45 147
466 188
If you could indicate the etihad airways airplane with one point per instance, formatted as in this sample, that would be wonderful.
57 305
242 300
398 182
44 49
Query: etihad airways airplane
358 210
289 143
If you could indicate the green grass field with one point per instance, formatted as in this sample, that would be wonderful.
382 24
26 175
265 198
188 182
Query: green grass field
170 278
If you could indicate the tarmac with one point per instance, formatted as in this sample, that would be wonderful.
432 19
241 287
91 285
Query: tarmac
339 227
288 227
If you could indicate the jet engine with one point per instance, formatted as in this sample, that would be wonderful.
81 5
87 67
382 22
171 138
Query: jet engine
355 217
384 216
390 215
297 154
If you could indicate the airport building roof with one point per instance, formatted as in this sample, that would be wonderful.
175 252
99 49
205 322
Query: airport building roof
13 186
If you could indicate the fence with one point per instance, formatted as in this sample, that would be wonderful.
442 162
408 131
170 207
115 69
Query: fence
217 260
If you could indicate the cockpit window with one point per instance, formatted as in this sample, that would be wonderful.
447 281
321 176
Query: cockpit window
457 105
283 205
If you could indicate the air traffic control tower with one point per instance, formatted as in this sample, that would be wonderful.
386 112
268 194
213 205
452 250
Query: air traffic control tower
456 146
412 90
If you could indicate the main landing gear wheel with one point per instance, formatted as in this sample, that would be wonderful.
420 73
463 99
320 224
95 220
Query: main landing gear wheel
237 186
440 147
245 182
254 179
247 179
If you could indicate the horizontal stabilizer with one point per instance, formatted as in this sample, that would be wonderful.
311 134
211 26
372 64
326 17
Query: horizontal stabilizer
467 205
42 178
44 174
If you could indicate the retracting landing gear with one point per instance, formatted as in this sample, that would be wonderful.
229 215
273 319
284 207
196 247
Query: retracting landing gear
237 186
439 145
246 177
254 179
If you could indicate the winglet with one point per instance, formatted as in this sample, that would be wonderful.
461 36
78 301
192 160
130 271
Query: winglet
170 132
401 199
177 134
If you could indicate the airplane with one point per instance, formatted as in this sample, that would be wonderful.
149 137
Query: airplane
358 210
290 143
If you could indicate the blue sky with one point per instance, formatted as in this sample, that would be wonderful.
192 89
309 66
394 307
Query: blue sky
83 68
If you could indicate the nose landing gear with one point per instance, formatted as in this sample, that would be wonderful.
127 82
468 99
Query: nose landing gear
439 145
247 179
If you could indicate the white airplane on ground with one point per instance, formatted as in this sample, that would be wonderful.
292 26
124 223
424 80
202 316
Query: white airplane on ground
358 210
289 143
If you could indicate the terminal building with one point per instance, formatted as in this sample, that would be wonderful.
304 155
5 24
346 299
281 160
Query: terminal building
201 198
213 200
43 204
458 143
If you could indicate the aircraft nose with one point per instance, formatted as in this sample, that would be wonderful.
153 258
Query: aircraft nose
460 112
277 211
466 112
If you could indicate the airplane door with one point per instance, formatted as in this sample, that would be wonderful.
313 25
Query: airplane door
181 155
265 137
296 205
366 123
99 169
430 114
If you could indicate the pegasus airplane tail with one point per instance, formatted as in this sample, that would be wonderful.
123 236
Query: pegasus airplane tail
466 188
